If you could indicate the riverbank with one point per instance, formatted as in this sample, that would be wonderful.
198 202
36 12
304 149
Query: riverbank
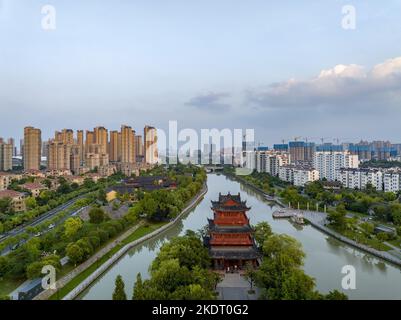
319 224
83 278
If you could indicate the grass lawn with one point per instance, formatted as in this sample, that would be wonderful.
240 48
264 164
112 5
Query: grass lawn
140 232
9 285
360 238
396 242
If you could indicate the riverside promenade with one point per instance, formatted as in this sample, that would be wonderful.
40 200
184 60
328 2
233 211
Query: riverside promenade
318 220
83 285
101 269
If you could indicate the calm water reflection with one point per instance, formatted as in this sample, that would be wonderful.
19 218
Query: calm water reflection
325 256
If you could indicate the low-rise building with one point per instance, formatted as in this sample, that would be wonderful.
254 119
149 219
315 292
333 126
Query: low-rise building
34 173
304 174
268 161
6 179
75 179
286 173
34 188
107 170
328 163
360 178
17 199
392 181
58 173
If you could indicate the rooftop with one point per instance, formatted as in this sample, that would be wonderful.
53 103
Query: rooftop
10 194
33 186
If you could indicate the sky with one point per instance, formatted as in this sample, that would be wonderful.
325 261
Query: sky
283 68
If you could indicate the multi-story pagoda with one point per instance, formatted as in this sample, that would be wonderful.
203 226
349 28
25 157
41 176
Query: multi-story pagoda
230 237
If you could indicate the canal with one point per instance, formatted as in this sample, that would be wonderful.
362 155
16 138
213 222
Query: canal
325 256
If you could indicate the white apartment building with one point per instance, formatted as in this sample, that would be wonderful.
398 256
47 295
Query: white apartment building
303 175
266 161
328 163
286 173
250 160
392 180
359 178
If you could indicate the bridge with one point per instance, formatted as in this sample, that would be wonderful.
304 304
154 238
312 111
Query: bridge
213 168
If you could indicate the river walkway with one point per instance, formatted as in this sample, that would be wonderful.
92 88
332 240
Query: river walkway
100 270
318 220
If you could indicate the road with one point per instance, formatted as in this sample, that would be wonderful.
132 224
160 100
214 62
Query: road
39 220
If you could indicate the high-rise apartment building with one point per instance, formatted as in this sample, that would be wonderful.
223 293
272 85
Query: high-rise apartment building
12 142
80 143
90 139
75 158
101 138
301 151
65 136
139 149
6 156
21 147
150 145
297 151
115 146
58 156
32 148
127 144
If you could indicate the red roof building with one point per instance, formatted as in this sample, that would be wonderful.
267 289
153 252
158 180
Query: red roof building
230 237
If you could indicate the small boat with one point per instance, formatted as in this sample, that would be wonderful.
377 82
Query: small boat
282 214
298 218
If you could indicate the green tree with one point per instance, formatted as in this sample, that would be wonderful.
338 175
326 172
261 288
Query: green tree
75 253
34 270
102 196
72 226
337 217
138 293
96 215
250 274
336 295
64 188
31 203
119 291
189 250
262 232
280 275
5 205
368 227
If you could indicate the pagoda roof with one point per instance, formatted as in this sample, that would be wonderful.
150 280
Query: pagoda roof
229 202
229 228
234 253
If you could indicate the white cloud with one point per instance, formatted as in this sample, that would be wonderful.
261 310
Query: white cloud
341 87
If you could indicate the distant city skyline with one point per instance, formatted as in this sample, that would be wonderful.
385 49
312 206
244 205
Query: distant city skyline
284 70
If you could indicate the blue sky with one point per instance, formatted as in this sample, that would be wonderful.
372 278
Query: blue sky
224 64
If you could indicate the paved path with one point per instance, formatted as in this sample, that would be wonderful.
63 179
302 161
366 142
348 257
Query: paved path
234 287
82 267
82 286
